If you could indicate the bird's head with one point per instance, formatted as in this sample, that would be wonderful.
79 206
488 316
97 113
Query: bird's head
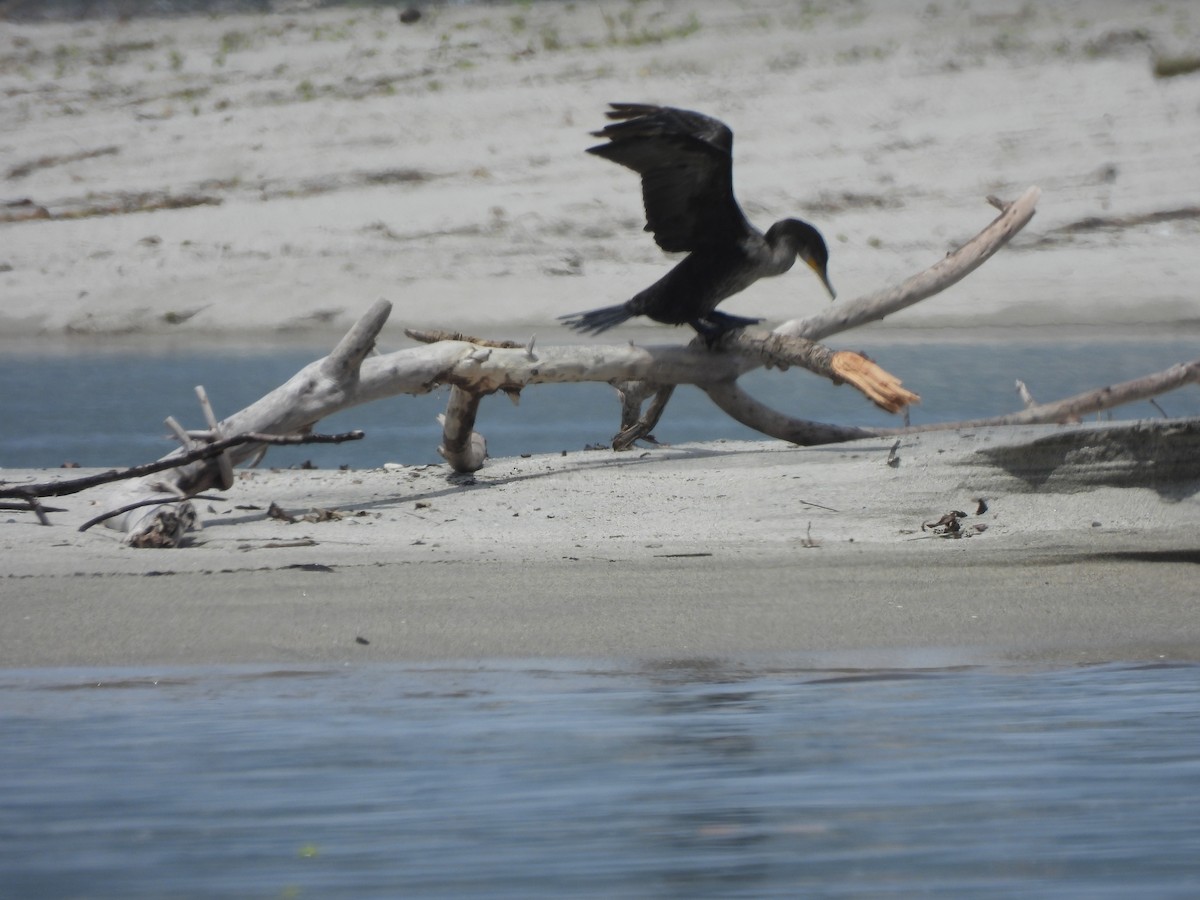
808 244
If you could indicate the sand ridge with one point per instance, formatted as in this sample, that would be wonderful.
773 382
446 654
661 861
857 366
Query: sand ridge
212 176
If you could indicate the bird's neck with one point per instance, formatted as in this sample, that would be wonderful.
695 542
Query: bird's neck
781 253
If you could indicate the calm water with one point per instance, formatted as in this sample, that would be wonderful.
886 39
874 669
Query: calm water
106 408
683 780
688 780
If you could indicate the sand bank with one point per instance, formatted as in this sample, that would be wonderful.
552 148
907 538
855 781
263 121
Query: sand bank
236 175
1087 553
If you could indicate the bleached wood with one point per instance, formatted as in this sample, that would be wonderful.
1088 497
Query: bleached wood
771 348
750 412
1071 409
741 406
635 424
941 275
463 447
349 376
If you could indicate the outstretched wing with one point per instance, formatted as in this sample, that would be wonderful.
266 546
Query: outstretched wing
686 163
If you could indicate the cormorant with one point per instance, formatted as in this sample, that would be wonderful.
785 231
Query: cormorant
686 163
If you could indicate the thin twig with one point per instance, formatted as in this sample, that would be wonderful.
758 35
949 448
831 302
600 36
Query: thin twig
31 504
434 335
75 485
149 501
224 463
641 428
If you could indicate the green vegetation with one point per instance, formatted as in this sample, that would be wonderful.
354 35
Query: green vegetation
624 29
118 53
65 58
859 54
333 32
189 95
231 42
551 40
1171 66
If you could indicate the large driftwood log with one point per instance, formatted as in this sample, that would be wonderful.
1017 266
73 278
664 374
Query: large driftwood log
475 368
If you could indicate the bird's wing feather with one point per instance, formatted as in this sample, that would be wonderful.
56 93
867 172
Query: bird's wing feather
685 160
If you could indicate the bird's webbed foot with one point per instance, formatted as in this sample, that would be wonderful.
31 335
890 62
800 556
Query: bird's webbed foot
716 324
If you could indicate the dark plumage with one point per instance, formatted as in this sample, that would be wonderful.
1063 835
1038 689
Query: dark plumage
686 163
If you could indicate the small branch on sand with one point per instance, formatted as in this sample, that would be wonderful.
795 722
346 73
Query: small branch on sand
75 485
150 501
28 494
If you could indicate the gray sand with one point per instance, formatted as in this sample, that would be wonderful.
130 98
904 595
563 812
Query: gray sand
262 178
742 550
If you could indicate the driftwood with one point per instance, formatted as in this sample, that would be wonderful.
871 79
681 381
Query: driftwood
28 495
152 511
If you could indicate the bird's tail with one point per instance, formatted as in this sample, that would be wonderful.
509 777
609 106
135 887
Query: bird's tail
598 320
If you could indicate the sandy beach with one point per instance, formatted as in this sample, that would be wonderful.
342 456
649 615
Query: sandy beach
209 176
260 178
749 550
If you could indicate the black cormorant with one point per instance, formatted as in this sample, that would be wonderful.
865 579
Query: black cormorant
686 163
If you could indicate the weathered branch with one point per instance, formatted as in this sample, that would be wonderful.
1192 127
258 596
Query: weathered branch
343 364
749 411
941 275
635 426
463 447
1073 408
433 335
68 486
348 378
840 366
742 407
